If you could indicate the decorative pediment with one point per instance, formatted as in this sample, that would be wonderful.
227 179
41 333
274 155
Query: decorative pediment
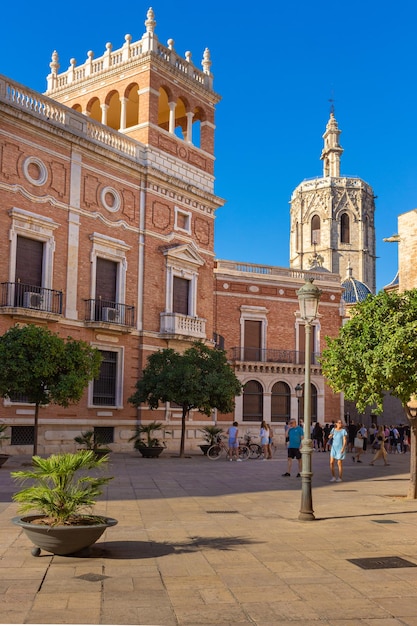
184 255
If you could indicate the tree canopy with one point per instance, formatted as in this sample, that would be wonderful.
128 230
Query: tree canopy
375 353
43 367
200 379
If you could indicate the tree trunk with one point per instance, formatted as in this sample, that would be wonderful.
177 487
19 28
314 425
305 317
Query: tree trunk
35 431
412 486
183 418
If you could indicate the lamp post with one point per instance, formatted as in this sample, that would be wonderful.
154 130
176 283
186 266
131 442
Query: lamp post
308 299
298 393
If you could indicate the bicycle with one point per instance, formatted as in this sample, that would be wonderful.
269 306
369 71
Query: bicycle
220 449
255 449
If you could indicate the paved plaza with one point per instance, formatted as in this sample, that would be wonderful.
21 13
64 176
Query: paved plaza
220 543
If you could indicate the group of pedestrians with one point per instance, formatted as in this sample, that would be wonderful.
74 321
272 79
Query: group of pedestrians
339 440
265 434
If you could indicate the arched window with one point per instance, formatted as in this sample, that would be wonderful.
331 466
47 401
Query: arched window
344 228
315 229
253 402
280 402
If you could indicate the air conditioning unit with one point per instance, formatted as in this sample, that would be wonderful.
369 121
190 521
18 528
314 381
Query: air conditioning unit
32 300
110 314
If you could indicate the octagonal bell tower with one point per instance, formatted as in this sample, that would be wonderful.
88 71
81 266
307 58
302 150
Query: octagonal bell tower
332 218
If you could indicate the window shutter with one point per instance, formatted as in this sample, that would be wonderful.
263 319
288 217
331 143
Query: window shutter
253 340
180 298
29 261
106 280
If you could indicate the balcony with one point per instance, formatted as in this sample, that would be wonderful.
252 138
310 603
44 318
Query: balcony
294 357
272 360
184 325
20 298
107 314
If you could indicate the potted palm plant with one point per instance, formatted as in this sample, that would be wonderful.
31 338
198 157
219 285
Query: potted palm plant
144 440
3 437
63 491
210 435
92 441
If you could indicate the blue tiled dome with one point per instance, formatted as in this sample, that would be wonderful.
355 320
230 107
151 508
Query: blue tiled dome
354 291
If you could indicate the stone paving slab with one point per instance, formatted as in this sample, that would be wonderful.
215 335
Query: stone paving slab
217 543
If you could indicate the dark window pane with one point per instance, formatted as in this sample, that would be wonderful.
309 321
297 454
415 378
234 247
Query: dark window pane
180 299
104 434
104 388
252 401
106 280
22 436
344 228
315 229
253 340
29 257
280 402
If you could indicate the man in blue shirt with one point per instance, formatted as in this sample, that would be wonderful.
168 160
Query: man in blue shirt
295 435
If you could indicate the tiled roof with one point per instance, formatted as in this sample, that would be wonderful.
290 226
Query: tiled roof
354 291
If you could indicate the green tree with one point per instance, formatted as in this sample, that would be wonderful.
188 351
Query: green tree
200 379
40 365
376 352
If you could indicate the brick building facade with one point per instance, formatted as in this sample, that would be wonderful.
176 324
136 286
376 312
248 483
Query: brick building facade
107 211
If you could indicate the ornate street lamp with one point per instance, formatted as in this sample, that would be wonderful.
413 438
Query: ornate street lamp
308 298
299 394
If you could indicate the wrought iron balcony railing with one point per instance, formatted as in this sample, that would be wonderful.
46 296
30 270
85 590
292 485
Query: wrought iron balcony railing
293 357
109 312
21 295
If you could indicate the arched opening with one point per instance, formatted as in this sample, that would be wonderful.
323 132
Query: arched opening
77 107
132 105
344 228
197 119
280 402
113 111
315 229
180 119
94 109
252 402
163 109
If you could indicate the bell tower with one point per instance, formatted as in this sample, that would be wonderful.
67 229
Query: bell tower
332 217
148 92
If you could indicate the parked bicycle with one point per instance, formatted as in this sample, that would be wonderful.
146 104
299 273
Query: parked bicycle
221 449
255 449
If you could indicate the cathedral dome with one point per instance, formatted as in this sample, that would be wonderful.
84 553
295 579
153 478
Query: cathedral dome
354 290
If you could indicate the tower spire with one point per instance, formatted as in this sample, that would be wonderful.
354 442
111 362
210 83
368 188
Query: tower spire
332 150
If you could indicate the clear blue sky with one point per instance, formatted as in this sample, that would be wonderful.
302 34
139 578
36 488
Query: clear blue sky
275 65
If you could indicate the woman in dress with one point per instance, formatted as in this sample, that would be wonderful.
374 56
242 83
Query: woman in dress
338 439
264 435
379 447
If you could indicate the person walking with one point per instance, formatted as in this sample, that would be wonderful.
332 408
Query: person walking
359 444
233 434
379 447
338 439
295 435
264 435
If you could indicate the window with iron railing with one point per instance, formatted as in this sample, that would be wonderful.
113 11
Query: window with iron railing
22 436
105 387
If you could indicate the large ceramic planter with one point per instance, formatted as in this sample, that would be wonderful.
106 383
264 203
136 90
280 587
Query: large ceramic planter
151 453
61 540
204 447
